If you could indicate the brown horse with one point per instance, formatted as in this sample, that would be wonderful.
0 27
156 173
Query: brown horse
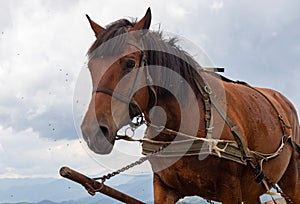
134 70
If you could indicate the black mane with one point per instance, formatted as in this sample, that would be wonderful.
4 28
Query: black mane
165 53
160 52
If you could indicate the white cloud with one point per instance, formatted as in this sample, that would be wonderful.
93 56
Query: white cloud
274 34
176 11
42 48
217 5
25 154
39 61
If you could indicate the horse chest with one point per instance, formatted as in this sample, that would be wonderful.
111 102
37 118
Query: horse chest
191 176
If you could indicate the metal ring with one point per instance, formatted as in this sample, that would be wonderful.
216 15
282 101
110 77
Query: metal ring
207 90
132 131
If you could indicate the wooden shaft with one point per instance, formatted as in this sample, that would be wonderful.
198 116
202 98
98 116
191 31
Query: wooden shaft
93 186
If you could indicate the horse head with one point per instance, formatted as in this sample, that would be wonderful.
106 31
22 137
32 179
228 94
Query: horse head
117 65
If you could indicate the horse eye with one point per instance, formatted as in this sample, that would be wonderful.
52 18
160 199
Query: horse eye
130 63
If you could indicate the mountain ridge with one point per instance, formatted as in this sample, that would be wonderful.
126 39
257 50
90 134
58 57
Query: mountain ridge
63 191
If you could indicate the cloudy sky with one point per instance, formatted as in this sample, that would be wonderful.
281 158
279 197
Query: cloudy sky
43 45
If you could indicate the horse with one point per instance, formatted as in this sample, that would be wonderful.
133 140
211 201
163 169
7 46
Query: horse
206 135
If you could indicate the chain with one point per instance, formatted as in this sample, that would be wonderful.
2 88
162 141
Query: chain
114 173
133 125
285 196
127 167
274 185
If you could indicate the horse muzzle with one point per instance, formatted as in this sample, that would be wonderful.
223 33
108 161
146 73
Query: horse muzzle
101 140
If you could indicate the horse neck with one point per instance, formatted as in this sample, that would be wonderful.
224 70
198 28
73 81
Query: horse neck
187 117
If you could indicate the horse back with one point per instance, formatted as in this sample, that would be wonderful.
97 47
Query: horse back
257 112
287 111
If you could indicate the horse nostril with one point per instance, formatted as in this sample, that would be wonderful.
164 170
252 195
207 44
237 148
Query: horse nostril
104 131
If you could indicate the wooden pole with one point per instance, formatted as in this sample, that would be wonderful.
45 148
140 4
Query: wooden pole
93 186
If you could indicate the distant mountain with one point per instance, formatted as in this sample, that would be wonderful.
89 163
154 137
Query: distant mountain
41 202
34 190
63 191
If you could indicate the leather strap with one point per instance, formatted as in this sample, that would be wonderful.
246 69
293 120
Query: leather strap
111 92
234 129
296 146
201 146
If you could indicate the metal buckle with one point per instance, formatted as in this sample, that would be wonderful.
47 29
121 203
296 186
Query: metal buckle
207 90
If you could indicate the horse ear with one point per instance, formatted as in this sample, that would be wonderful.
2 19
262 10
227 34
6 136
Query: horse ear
144 23
96 28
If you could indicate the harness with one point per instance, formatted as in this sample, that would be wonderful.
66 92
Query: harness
236 151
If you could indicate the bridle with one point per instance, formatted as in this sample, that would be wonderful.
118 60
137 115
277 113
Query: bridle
134 107
129 98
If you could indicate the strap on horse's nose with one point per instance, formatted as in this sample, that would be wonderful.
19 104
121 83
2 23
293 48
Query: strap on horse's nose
113 93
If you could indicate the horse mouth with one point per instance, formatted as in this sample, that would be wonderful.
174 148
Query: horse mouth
102 142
